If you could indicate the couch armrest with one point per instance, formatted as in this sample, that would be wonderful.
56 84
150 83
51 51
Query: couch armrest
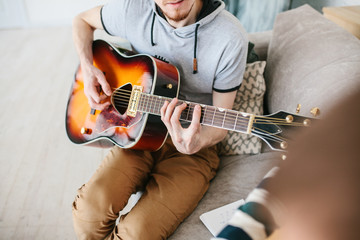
261 41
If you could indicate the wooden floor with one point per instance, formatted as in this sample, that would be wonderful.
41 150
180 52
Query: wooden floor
40 169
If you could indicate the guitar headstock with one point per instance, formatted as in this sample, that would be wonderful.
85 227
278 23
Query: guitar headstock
276 129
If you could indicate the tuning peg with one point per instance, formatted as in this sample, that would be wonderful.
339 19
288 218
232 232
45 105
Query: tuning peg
307 122
284 145
298 108
289 118
315 111
283 157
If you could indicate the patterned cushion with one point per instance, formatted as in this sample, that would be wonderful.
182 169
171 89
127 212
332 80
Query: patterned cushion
249 98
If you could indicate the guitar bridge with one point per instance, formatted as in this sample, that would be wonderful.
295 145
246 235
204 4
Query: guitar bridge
134 101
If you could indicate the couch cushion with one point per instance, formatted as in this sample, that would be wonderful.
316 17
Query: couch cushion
236 178
311 61
249 99
261 41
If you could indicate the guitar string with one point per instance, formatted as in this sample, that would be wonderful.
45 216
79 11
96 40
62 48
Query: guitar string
125 96
189 109
232 116
271 137
147 95
268 135
217 121
258 117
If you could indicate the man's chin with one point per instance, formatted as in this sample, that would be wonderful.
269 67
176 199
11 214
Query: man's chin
177 14
177 17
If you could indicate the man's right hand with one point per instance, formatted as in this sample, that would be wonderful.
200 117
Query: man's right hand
96 88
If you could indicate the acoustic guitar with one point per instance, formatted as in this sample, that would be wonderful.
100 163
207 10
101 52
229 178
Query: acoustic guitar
141 85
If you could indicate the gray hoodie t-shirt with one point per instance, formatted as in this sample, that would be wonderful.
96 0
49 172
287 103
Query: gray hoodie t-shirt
221 46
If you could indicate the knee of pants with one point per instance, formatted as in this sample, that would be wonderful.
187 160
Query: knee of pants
95 202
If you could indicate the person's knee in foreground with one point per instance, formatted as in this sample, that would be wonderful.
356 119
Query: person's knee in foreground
208 46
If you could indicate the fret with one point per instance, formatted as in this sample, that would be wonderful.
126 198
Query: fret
204 116
237 115
158 101
185 114
219 117
208 118
143 103
188 111
230 119
156 106
146 103
152 104
242 122
212 121
140 102
224 119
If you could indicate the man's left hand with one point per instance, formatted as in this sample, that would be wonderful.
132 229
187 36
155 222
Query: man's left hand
186 140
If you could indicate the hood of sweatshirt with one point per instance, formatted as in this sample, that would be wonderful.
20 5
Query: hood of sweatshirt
210 9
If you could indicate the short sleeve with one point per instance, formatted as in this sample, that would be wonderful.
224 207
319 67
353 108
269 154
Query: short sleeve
113 15
231 67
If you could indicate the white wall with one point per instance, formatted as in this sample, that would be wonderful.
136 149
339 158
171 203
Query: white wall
39 13
12 13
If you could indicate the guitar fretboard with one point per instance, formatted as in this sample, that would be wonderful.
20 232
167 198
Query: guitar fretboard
210 115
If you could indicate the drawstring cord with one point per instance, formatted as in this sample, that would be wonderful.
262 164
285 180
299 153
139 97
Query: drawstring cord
195 65
152 30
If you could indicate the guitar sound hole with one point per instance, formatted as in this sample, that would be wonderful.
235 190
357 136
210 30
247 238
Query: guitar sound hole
121 98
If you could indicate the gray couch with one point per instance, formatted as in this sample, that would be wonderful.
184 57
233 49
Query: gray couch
310 61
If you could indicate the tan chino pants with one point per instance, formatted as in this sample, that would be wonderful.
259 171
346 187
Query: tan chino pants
173 184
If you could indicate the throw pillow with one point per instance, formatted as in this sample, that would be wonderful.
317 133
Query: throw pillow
311 61
249 98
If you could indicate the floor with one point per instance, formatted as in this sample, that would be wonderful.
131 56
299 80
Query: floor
40 168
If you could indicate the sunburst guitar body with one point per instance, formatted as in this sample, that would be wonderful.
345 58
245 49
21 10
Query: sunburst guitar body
113 125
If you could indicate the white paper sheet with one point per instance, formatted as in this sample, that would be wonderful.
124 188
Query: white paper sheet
215 220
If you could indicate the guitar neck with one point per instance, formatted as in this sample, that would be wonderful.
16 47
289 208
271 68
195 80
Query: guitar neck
210 115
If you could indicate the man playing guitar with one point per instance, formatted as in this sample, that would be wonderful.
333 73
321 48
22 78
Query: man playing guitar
208 46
